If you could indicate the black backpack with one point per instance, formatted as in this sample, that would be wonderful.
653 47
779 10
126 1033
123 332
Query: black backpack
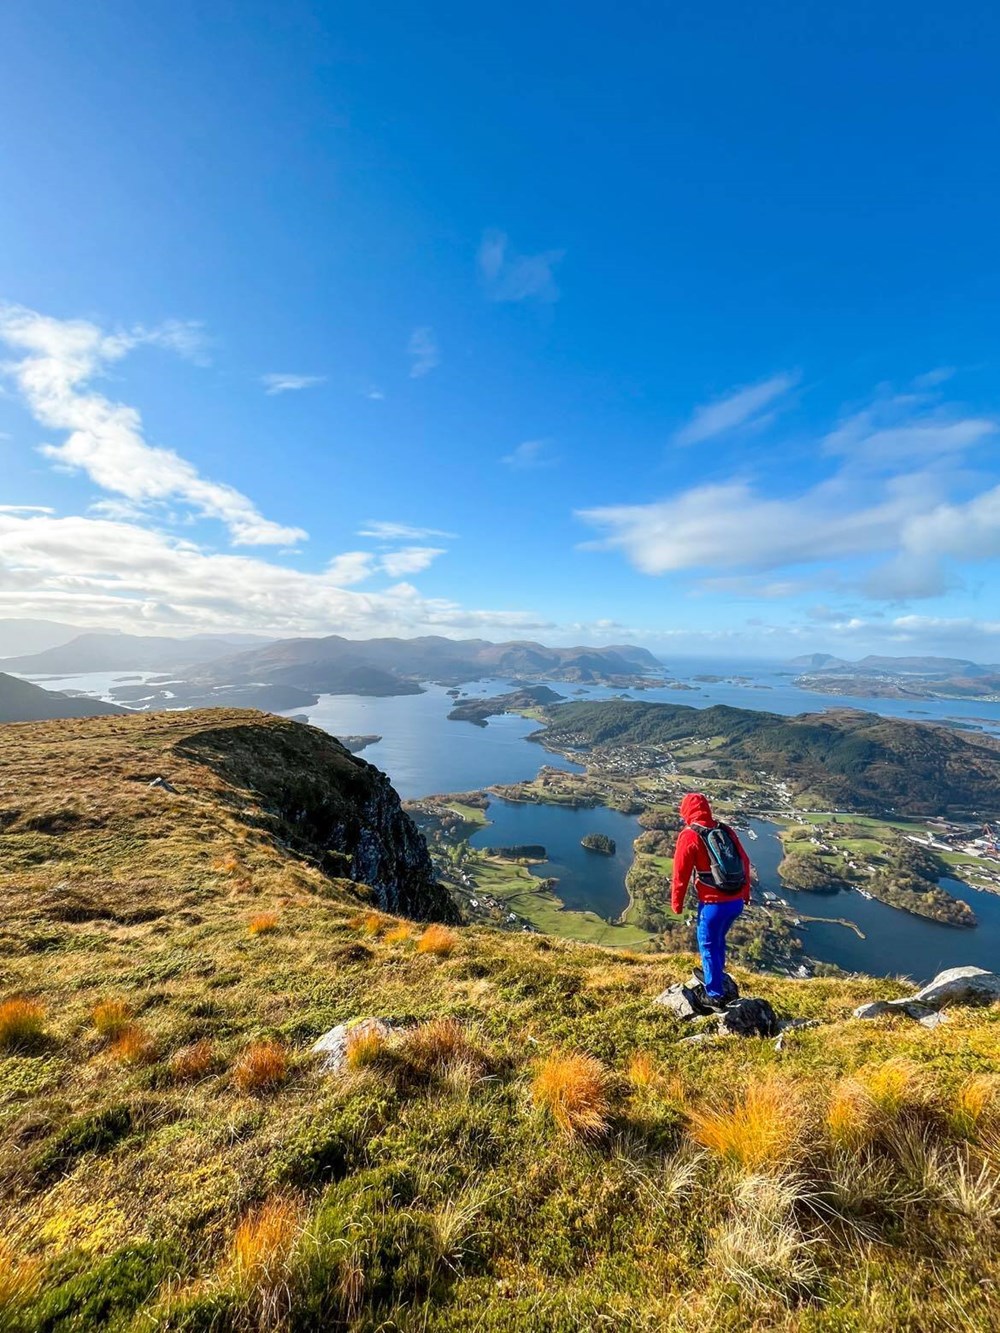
724 860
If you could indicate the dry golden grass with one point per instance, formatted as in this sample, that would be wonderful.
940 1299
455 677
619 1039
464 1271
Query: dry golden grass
229 864
134 1046
111 1018
261 1259
192 1063
364 1046
368 923
643 1071
261 1067
18 1278
435 1047
975 1104
264 923
438 940
22 1023
398 934
851 1115
760 1132
894 1084
574 1091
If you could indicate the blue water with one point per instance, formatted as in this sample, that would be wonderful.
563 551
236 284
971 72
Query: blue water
895 943
588 881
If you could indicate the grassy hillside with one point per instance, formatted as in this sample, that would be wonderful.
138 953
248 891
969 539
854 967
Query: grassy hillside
850 760
530 1148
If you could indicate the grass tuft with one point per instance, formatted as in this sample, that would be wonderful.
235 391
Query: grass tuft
22 1023
192 1063
134 1046
975 1104
261 1259
18 1279
368 923
434 1048
111 1018
264 923
574 1090
398 934
262 1067
643 1071
437 940
364 1046
761 1132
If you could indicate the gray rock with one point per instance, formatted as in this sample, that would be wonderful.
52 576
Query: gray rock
749 1018
957 985
960 985
934 1019
699 1039
681 1001
332 1046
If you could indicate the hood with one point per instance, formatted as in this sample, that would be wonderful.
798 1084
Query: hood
695 809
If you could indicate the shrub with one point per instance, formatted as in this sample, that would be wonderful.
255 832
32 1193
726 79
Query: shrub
111 1018
261 1067
192 1063
438 940
573 1089
134 1046
761 1132
22 1023
107 1291
264 923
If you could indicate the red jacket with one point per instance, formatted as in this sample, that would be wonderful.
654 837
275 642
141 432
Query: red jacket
690 856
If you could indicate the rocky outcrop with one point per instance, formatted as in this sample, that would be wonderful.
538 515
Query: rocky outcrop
330 806
955 986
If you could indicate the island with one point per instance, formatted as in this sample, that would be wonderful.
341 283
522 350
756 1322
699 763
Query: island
599 842
358 743
477 711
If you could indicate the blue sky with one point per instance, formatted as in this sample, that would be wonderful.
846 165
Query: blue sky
674 323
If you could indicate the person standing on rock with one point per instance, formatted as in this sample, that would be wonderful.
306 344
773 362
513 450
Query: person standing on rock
714 855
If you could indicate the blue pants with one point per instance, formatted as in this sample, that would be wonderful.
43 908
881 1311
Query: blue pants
714 920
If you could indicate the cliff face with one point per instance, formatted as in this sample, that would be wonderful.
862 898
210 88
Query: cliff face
274 802
330 806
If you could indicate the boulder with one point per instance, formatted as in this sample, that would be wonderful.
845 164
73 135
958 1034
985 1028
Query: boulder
332 1046
957 985
749 1018
681 1001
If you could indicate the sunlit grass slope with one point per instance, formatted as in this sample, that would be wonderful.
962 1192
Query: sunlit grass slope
528 1147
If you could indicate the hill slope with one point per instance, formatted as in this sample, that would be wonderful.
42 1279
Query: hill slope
125 652
851 760
171 1158
20 701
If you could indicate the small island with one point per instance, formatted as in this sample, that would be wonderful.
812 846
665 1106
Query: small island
477 711
599 842
358 743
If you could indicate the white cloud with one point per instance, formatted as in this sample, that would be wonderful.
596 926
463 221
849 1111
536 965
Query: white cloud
508 276
409 560
104 438
277 383
897 462
26 509
117 574
393 532
740 408
374 395
423 351
530 454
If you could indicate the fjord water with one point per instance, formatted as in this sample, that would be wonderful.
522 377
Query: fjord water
895 943
588 881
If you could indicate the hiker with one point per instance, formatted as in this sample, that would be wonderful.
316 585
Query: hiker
721 868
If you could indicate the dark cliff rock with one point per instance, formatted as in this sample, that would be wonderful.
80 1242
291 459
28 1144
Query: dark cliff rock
330 805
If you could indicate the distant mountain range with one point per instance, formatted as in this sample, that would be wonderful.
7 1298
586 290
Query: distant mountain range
899 677
100 651
335 665
20 701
